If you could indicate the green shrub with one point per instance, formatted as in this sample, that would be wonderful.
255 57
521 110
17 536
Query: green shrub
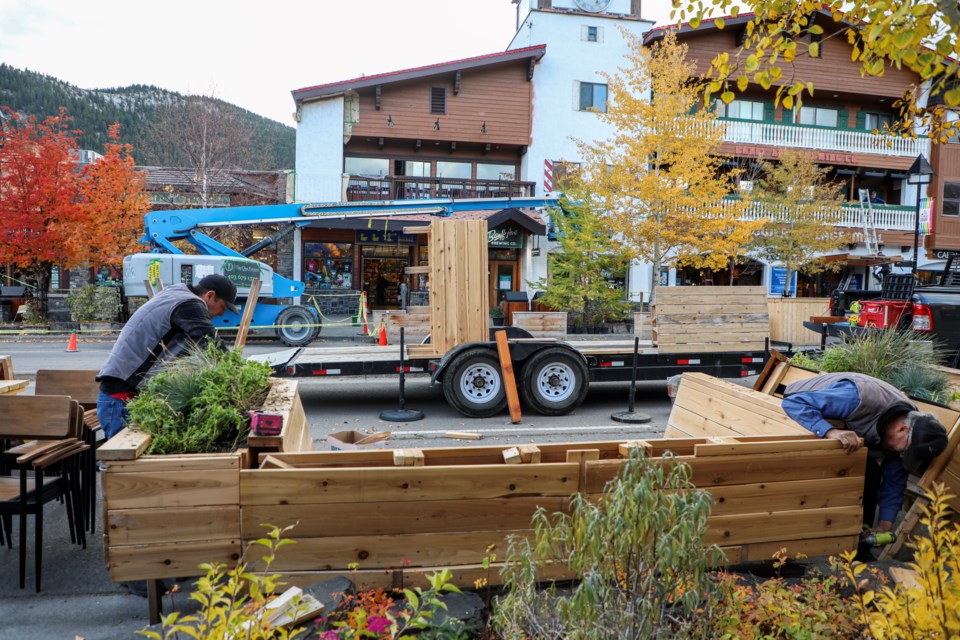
199 402
91 303
902 358
638 554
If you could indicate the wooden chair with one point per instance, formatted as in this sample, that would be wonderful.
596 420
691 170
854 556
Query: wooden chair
56 421
82 386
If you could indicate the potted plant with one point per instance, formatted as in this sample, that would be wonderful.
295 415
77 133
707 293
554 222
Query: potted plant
497 318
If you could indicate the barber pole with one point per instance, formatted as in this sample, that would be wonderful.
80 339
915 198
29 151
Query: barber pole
547 176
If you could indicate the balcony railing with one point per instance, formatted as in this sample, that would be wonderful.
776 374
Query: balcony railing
821 139
885 217
402 188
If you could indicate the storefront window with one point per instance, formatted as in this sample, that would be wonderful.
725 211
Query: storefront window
328 265
459 170
486 171
366 166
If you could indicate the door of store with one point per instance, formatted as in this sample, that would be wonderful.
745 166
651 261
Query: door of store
503 278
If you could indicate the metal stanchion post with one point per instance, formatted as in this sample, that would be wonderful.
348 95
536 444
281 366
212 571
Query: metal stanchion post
402 414
630 416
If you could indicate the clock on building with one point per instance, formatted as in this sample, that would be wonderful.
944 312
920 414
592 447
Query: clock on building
593 6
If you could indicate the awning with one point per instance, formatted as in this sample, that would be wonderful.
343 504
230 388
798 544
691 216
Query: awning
530 222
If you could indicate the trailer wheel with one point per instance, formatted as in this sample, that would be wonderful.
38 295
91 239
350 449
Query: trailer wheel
297 326
554 382
473 384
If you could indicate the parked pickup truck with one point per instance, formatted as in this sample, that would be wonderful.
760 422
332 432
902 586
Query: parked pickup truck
936 309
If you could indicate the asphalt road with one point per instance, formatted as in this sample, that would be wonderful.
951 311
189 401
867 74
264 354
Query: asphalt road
78 598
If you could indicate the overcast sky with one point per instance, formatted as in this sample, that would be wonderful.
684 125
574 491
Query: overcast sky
250 53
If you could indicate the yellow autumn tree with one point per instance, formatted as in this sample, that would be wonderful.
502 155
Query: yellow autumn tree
918 35
659 178
803 209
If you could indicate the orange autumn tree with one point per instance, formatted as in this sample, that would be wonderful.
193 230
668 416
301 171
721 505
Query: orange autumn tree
52 212
114 203
40 212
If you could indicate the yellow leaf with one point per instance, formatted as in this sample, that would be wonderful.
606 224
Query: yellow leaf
727 97
735 11
765 80
742 83
952 97
752 63
814 49
789 55
695 22
810 88
788 102
816 29
719 22
855 53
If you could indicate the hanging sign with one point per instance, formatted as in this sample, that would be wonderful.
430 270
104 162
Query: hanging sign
371 236
505 238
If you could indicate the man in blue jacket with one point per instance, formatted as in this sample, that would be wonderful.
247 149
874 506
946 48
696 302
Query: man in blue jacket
162 329
901 440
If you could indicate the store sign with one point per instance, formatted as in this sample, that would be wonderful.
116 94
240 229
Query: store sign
241 272
778 281
832 157
385 237
505 238
945 254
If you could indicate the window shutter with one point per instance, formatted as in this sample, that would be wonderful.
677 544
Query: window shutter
769 112
843 119
438 100
584 32
599 34
861 119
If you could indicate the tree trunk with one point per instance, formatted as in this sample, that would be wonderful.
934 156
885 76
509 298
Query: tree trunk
41 274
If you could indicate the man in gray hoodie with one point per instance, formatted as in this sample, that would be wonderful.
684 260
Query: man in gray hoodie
160 330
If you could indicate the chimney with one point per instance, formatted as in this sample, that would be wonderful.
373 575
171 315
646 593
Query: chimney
635 8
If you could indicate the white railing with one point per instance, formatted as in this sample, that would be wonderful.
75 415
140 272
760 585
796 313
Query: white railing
885 217
826 140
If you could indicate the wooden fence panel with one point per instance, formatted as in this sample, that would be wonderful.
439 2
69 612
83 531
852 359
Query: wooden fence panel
788 314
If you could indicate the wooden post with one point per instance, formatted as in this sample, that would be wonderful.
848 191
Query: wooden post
247 316
509 382
149 287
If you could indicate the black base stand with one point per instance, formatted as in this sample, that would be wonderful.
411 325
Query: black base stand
402 414
630 416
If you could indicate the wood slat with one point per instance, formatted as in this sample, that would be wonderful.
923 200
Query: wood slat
171 489
384 518
787 496
358 485
189 463
35 417
371 552
129 444
172 525
809 547
142 562
779 525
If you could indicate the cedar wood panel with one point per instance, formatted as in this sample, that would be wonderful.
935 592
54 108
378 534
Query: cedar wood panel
500 96
946 160
833 71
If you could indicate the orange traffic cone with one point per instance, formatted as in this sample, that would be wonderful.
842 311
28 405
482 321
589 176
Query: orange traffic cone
383 335
72 345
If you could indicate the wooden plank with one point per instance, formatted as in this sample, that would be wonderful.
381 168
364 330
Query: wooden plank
417 229
6 368
172 525
306 486
529 453
129 444
512 456
244 328
172 489
462 435
781 525
141 562
715 471
701 347
421 549
422 270
35 417
787 496
272 462
684 423
809 547
189 462
385 518
706 308
509 381
407 458
776 447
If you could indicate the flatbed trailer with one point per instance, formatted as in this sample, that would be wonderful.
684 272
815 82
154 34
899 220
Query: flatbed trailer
553 376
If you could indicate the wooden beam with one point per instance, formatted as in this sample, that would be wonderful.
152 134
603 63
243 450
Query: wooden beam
529 453
126 445
248 308
509 382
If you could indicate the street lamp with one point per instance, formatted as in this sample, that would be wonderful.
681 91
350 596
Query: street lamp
920 173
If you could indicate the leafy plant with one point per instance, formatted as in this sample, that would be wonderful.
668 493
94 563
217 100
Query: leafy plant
231 600
930 608
638 553
902 358
31 313
812 608
92 303
496 312
199 402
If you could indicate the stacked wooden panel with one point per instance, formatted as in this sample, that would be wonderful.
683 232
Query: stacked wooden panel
459 289
710 319
389 525
542 324
415 322
166 514
788 314
710 407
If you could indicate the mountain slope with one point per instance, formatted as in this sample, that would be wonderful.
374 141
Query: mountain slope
135 108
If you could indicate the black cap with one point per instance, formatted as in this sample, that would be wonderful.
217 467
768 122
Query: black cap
927 441
221 285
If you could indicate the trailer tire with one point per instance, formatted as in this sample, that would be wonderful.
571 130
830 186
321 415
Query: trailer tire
473 384
554 382
297 326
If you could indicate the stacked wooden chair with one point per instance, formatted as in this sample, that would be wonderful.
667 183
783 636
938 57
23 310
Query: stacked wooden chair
45 468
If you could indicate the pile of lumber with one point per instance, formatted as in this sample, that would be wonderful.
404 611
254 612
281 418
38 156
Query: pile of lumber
710 319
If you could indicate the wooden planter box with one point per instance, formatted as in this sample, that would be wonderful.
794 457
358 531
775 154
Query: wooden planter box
542 324
166 514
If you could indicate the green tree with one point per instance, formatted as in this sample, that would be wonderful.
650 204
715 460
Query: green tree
803 209
920 36
660 175
580 273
